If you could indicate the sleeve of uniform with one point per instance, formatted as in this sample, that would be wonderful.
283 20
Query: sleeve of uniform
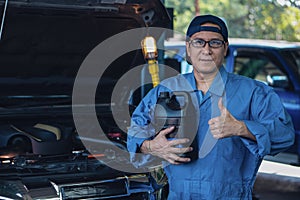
269 123
141 129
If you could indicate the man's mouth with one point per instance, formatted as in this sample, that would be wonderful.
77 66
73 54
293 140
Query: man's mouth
206 60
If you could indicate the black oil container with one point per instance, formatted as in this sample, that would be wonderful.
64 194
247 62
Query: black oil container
177 110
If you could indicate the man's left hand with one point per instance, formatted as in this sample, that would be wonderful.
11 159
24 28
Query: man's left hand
227 125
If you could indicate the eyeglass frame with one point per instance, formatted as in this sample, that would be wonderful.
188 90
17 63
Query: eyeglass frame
206 42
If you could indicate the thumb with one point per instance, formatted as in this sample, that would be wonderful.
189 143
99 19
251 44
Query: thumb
221 106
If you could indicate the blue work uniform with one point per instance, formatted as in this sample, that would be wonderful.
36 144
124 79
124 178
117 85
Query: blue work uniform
226 168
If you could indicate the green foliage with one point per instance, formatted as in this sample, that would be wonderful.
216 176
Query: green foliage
264 19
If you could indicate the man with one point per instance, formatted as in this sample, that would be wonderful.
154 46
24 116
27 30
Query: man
239 120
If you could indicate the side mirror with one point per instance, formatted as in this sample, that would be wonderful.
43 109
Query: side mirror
280 81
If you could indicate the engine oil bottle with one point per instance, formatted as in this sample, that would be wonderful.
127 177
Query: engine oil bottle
177 110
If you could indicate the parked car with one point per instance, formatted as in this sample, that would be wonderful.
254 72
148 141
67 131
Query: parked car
276 63
43 44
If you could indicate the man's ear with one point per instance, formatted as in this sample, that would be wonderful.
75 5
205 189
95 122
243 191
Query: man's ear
187 53
226 52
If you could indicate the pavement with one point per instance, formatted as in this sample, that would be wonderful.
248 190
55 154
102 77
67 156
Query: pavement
278 174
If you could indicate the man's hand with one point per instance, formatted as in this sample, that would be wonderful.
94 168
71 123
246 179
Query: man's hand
161 147
226 125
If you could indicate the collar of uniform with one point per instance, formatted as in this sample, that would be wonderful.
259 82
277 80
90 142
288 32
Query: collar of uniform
218 85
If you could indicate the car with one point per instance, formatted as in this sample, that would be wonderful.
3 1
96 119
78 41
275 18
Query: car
275 63
43 154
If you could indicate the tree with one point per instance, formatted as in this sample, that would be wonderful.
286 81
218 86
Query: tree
263 19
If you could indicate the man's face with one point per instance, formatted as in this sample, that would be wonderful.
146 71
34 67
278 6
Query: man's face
206 59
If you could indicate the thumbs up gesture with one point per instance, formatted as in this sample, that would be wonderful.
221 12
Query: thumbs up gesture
227 125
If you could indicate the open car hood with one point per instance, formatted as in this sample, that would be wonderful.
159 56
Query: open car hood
44 42
42 47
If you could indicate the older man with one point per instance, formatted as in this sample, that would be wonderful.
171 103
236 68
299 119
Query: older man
239 121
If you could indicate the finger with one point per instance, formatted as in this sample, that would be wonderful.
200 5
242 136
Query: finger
181 150
174 162
176 142
175 159
221 106
217 134
182 160
166 131
213 127
214 121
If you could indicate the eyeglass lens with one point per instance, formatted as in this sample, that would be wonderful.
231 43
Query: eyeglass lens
214 43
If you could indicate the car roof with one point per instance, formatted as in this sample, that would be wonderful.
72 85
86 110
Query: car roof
281 44
243 42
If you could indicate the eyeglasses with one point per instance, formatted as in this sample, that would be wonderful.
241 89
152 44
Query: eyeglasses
214 43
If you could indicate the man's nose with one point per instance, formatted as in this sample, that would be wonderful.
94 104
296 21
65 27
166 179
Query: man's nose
206 48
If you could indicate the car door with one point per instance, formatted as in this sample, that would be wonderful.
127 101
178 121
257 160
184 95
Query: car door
265 66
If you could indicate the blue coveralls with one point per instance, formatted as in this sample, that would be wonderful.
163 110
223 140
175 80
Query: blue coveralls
226 168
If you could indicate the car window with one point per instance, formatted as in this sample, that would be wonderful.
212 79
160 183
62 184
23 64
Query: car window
292 57
256 65
179 54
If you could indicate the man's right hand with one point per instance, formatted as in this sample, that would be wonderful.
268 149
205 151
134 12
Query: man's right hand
161 147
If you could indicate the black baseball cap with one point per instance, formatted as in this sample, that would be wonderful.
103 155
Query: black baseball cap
195 26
